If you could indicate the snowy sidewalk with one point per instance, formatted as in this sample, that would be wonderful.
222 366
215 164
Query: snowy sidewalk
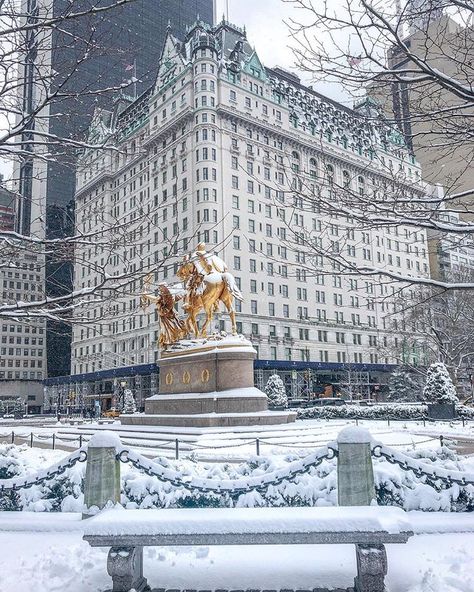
45 553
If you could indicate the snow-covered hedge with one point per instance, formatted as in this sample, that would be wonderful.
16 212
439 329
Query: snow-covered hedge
390 411
316 488
59 494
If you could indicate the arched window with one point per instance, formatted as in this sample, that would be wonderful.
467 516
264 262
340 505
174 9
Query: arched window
346 179
330 173
313 167
361 185
295 161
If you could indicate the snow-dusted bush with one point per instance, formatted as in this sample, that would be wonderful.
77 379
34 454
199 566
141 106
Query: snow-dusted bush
19 407
404 386
10 466
391 411
129 405
62 493
275 391
439 387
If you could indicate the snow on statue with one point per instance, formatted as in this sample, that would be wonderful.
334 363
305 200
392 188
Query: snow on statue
129 405
439 387
275 390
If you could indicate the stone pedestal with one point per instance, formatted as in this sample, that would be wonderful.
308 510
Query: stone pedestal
208 383
206 372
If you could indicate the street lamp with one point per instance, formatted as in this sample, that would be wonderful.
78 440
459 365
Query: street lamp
120 403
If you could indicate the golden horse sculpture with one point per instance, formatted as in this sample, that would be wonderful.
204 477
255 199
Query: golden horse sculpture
206 283
206 286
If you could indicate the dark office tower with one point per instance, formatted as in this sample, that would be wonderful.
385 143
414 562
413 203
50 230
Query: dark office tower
88 56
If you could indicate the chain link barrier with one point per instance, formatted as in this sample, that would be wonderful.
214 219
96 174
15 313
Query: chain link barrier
420 469
17 483
234 486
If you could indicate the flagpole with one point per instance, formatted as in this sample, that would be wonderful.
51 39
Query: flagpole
135 78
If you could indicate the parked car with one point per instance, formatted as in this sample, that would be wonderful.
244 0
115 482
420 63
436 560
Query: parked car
112 413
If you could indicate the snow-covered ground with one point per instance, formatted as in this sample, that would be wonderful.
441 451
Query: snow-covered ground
238 443
45 553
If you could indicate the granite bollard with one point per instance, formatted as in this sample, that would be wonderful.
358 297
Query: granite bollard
102 481
355 473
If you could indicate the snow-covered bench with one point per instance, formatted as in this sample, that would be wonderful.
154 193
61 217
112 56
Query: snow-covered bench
369 528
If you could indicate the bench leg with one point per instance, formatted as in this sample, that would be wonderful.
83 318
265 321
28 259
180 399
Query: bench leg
371 568
125 566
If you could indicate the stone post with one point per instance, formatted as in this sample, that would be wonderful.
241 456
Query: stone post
102 482
355 474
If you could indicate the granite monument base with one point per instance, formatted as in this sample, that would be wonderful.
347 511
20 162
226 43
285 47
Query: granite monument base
208 383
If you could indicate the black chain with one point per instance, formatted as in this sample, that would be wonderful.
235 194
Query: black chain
141 463
379 452
50 474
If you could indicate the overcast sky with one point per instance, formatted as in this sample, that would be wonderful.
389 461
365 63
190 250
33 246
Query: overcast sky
268 33
265 28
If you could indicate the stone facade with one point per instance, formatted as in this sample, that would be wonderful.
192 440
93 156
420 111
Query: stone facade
214 152
206 372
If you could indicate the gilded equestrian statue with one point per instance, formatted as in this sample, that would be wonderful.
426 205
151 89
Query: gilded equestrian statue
207 283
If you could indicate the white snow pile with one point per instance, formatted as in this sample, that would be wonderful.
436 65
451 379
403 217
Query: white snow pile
105 439
200 521
317 487
354 435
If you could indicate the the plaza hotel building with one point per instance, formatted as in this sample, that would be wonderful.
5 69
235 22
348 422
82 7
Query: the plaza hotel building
226 151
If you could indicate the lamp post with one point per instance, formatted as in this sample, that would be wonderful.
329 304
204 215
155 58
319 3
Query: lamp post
121 392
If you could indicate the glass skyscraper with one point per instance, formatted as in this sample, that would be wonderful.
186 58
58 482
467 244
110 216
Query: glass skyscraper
89 54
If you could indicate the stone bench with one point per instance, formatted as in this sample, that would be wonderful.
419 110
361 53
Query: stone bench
126 532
